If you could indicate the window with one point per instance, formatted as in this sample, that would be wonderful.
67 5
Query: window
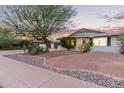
108 41
100 41
85 40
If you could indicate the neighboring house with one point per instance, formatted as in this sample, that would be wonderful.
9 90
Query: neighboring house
102 41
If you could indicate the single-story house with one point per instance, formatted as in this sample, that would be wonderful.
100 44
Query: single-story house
102 41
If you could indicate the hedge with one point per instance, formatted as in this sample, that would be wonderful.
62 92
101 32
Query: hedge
68 42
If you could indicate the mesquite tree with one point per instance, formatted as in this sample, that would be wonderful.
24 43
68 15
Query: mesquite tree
39 21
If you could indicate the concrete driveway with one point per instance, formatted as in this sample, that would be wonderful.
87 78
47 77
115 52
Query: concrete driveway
14 74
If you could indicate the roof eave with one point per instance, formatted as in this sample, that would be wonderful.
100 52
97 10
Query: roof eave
93 36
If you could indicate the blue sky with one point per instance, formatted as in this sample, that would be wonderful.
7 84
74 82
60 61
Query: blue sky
98 16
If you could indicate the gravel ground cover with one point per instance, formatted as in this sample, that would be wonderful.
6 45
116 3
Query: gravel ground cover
92 77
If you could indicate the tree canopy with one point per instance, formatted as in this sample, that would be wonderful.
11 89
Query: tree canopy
38 20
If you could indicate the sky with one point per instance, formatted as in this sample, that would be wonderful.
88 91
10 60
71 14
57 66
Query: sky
98 16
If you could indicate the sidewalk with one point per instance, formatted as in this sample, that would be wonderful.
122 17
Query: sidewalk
7 52
14 74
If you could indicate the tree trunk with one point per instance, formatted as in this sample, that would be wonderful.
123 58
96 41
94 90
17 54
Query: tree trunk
47 45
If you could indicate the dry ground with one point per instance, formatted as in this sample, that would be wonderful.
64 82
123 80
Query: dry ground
58 53
108 63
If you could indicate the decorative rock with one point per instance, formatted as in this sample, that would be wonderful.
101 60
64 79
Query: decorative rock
91 77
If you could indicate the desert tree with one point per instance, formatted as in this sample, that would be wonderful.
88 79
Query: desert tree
40 21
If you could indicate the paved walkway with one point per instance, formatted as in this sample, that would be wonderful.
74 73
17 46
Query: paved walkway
16 74
7 52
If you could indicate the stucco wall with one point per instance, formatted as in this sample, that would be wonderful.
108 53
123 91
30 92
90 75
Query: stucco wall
59 48
79 42
114 41
112 49
115 46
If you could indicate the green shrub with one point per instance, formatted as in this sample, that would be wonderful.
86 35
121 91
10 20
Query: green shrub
85 47
16 44
68 42
26 43
122 47
121 39
35 49
7 40
31 47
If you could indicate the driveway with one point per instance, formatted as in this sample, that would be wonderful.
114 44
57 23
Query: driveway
108 63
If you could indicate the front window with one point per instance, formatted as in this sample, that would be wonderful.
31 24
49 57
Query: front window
100 41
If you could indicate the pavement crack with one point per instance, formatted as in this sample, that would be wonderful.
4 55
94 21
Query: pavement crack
14 77
47 81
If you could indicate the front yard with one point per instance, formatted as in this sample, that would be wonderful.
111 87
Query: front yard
98 68
109 63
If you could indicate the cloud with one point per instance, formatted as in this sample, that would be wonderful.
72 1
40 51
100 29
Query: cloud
113 29
106 27
115 18
104 16
119 16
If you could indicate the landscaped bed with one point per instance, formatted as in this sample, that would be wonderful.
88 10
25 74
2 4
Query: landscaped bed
82 72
